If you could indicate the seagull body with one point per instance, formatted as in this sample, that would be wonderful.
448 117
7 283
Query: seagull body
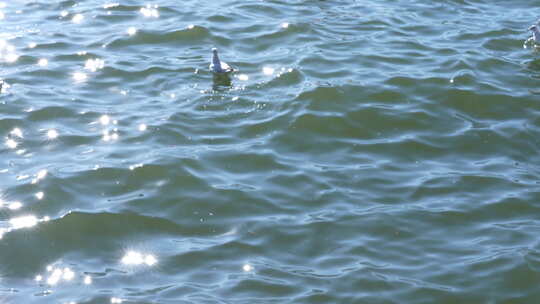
536 33
218 66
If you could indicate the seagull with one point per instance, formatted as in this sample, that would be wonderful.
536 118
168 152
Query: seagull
218 66
536 33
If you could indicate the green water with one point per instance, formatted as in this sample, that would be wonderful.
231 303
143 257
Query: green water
365 152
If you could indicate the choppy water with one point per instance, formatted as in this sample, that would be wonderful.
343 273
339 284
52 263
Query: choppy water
366 152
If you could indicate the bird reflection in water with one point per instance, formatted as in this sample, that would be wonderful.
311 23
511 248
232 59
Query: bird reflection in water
221 82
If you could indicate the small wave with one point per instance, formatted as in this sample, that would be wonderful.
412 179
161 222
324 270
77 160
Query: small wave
195 35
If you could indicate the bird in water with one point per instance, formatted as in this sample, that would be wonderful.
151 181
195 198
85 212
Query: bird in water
218 66
536 33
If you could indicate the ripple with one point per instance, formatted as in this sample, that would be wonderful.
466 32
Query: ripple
364 153
194 35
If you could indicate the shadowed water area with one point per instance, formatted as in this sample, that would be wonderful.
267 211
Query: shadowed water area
365 152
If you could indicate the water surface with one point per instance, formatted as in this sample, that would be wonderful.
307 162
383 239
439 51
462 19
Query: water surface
366 152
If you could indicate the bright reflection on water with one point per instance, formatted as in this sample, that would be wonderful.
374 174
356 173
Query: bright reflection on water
68 275
78 18
52 134
14 205
43 62
80 77
243 77
268 71
54 275
23 176
26 221
150 11
16 132
94 64
133 167
10 143
58 274
137 258
105 120
39 176
110 5
131 31
7 52
108 135
247 268
115 300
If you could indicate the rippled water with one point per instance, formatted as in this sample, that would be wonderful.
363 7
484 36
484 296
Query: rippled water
365 152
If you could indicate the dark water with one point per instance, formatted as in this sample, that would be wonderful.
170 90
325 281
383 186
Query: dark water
366 152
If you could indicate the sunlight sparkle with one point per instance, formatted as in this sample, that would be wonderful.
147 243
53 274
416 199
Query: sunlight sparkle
41 174
52 134
80 76
150 11
110 5
78 18
16 132
268 71
15 205
131 31
43 62
247 268
94 64
40 195
243 77
23 222
11 143
105 120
